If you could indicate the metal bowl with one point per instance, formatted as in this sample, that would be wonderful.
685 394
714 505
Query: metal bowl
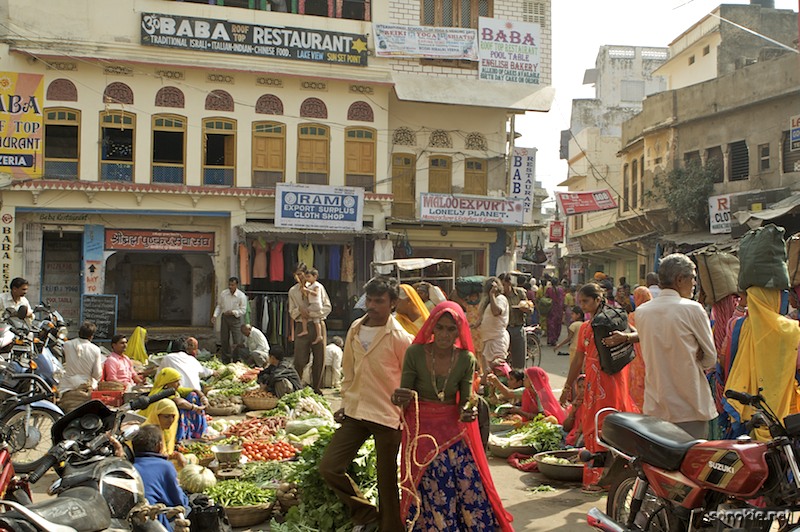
227 454
572 472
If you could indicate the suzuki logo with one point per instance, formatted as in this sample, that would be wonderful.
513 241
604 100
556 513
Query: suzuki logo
720 467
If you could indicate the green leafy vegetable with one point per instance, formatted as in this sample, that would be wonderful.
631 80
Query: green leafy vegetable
237 493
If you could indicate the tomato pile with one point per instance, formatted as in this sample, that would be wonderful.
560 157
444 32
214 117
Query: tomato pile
262 450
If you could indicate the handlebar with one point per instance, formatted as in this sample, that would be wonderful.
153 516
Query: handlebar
49 461
743 397
146 400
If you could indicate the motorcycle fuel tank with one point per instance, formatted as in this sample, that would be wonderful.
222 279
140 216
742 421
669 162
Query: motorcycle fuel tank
729 466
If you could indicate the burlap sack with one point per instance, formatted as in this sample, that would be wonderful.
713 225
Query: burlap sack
719 274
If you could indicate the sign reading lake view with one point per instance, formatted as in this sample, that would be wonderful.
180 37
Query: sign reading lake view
484 210
282 42
319 207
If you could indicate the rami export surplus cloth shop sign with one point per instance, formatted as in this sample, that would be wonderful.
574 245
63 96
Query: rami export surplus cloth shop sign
395 40
509 50
482 210
21 96
143 240
208 35
589 201
319 207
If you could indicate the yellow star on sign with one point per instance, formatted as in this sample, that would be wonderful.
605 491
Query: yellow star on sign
359 45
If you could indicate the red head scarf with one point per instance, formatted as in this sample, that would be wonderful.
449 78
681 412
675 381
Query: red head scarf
541 383
464 340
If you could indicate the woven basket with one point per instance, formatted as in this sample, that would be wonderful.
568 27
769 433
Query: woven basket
244 516
226 411
285 503
110 386
260 403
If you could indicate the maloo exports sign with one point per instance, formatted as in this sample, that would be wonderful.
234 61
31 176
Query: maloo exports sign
482 210
208 35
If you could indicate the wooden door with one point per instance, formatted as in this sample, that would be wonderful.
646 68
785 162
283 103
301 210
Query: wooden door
403 187
146 293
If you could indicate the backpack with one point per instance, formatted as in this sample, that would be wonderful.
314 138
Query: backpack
607 320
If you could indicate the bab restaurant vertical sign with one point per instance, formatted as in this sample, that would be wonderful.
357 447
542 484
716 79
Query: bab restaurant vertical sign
21 97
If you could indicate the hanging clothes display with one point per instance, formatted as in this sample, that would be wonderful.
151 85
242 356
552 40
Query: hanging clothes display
244 264
290 260
348 264
276 261
260 258
305 254
334 262
384 251
321 258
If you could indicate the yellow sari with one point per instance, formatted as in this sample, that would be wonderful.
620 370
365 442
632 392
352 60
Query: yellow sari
766 357
412 327
164 406
136 345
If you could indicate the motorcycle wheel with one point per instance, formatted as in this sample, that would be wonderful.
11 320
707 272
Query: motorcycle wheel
655 514
28 450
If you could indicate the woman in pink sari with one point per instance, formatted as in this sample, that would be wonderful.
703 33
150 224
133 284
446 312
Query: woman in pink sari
556 315
446 484
538 397
636 374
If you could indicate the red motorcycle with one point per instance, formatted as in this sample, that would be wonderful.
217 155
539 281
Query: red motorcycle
663 479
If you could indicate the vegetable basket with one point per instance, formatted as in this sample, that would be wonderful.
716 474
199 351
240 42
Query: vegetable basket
224 411
245 516
572 471
260 403
505 452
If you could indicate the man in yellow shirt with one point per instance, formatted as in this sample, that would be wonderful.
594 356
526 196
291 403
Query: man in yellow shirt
372 365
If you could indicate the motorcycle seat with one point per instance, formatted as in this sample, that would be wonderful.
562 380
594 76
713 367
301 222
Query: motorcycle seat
652 440
82 508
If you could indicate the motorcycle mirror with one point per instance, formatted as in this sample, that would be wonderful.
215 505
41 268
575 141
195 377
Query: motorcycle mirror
22 312
129 432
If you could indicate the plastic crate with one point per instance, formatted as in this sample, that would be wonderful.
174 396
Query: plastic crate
109 397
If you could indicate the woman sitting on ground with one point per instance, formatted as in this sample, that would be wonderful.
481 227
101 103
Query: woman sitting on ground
573 423
192 424
538 398
164 415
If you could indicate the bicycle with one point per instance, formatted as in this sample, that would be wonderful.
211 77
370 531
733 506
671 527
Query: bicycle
533 348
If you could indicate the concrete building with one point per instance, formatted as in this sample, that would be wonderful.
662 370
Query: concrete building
168 127
623 77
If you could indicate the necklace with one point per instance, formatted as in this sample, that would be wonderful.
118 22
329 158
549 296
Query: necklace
432 370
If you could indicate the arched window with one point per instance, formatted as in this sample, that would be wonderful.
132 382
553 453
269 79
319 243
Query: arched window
117 134
118 92
313 108
219 151
218 100
62 90
313 154
169 149
170 97
269 153
359 157
269 104
62 133
404 185
475 177
440 174
360 111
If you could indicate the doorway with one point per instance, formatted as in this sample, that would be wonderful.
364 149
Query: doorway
145 293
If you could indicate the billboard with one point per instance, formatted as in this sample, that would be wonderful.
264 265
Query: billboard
319 207
21 97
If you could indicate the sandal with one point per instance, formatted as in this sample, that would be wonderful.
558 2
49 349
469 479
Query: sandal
593 489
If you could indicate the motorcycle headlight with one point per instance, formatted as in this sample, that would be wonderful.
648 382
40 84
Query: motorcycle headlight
62 333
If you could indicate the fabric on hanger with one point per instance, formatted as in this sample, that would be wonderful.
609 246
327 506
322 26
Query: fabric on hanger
259 258
276 261
305 254
334 262
244 264
321 257
348 264
383 252
290 261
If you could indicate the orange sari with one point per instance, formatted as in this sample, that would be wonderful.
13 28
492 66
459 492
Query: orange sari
636 374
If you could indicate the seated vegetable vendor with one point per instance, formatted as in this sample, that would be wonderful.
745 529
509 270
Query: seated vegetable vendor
279 378
191 404
572 423
538 398
507 394
158 475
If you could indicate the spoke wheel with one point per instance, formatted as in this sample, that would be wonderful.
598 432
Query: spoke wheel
654 515
533 351
29 444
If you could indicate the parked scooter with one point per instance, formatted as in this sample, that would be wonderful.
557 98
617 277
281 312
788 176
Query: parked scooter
52 330
663 479
96 491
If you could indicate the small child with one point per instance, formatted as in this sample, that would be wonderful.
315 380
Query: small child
572 333
312 300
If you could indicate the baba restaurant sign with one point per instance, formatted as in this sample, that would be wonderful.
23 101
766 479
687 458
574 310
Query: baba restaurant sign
282 42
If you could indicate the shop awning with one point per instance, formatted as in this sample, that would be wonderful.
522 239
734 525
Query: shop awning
755 218
693 239
473 92
263 228
411 264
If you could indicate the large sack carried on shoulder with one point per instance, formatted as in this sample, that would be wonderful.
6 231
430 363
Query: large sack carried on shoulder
719 273
793 254
762 259
607 320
